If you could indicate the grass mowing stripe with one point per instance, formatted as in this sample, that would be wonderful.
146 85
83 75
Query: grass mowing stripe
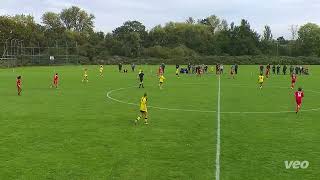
218 135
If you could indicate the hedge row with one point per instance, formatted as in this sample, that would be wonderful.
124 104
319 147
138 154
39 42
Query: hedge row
214 60
178 60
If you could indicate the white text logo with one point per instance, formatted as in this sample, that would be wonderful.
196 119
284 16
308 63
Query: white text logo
296 164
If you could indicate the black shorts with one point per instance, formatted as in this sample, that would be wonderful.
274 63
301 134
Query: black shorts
141 80
143 111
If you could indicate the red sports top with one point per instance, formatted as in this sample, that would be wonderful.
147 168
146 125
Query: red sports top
19 82
56 77
299 95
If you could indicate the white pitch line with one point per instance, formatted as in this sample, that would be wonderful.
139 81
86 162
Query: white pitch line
218 136
207 111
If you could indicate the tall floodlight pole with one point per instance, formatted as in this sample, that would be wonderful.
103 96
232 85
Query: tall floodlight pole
18 47
15 52
39 59
57 53
5 53
15 47
21 46
77 52
67 52
277 48
11 46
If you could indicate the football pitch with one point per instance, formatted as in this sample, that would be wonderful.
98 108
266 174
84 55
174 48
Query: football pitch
87 131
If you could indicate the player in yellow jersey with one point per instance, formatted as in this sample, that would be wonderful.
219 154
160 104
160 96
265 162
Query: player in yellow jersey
101 70
212 69
143 109
261 80
161 81
177 73
85 76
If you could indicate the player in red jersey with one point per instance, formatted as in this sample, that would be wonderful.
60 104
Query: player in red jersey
268 71
160 71
293 80
55 80
19 85
299 95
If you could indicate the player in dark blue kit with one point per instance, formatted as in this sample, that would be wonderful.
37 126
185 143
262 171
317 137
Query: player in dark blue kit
141 75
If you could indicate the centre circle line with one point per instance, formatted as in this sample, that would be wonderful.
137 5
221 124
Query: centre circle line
205 111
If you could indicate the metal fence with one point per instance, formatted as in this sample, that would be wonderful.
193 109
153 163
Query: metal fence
14 53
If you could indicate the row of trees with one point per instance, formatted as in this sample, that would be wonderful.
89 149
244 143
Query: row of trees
204 37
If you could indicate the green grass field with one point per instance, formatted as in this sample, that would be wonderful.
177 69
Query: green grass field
77 132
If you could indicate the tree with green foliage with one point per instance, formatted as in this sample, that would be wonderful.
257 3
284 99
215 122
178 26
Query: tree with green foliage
52 21
131 35
190 20
267 34
213 21
309 39
76 19
244 40
211 36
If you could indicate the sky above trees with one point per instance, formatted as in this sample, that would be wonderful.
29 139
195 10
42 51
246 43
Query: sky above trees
278 14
